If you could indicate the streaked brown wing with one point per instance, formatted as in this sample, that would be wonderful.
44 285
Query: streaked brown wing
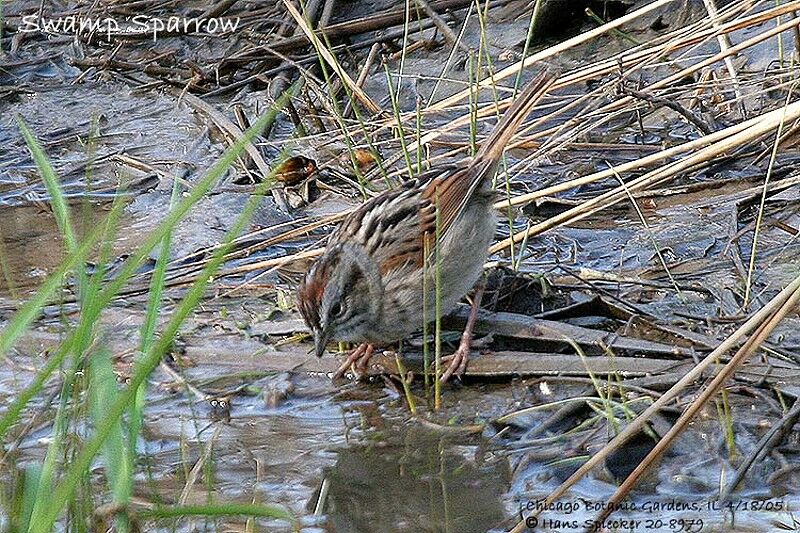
391 226
397 226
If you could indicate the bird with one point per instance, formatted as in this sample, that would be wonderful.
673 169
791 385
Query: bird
367 286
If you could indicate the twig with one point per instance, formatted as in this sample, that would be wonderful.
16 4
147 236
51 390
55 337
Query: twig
197 393
442 26
362 76
796 35
764 445
281 80
231 130
689 115
191 479
331 60
724 46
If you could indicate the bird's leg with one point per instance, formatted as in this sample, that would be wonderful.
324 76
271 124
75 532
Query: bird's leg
358 358
458 361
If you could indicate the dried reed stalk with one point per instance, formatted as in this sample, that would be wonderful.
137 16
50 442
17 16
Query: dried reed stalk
323 51
711 389
735 137
758 320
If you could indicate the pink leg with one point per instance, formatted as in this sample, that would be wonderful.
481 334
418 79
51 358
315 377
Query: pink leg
458 361
358 358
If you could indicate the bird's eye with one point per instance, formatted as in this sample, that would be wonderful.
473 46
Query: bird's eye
337 309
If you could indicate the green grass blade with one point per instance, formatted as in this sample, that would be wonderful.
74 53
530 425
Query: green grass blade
31 309
12 413
219 510
55 450
149 361
76 252
57 200
147 337
194 195
78 345
103 389
23 498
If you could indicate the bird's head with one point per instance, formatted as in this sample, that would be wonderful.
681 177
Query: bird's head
341 296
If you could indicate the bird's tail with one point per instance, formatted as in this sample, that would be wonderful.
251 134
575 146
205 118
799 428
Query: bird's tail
492 148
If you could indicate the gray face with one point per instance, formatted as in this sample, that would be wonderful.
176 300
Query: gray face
345 310
341 296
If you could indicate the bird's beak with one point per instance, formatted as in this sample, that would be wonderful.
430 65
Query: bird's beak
321 338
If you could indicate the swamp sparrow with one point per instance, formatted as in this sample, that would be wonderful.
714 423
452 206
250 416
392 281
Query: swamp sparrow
367 286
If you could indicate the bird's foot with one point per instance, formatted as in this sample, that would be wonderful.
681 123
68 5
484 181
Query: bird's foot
457 361
358 360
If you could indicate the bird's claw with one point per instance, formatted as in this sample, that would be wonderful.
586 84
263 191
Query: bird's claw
457 363
358 359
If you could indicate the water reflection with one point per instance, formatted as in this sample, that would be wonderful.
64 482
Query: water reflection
416 481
